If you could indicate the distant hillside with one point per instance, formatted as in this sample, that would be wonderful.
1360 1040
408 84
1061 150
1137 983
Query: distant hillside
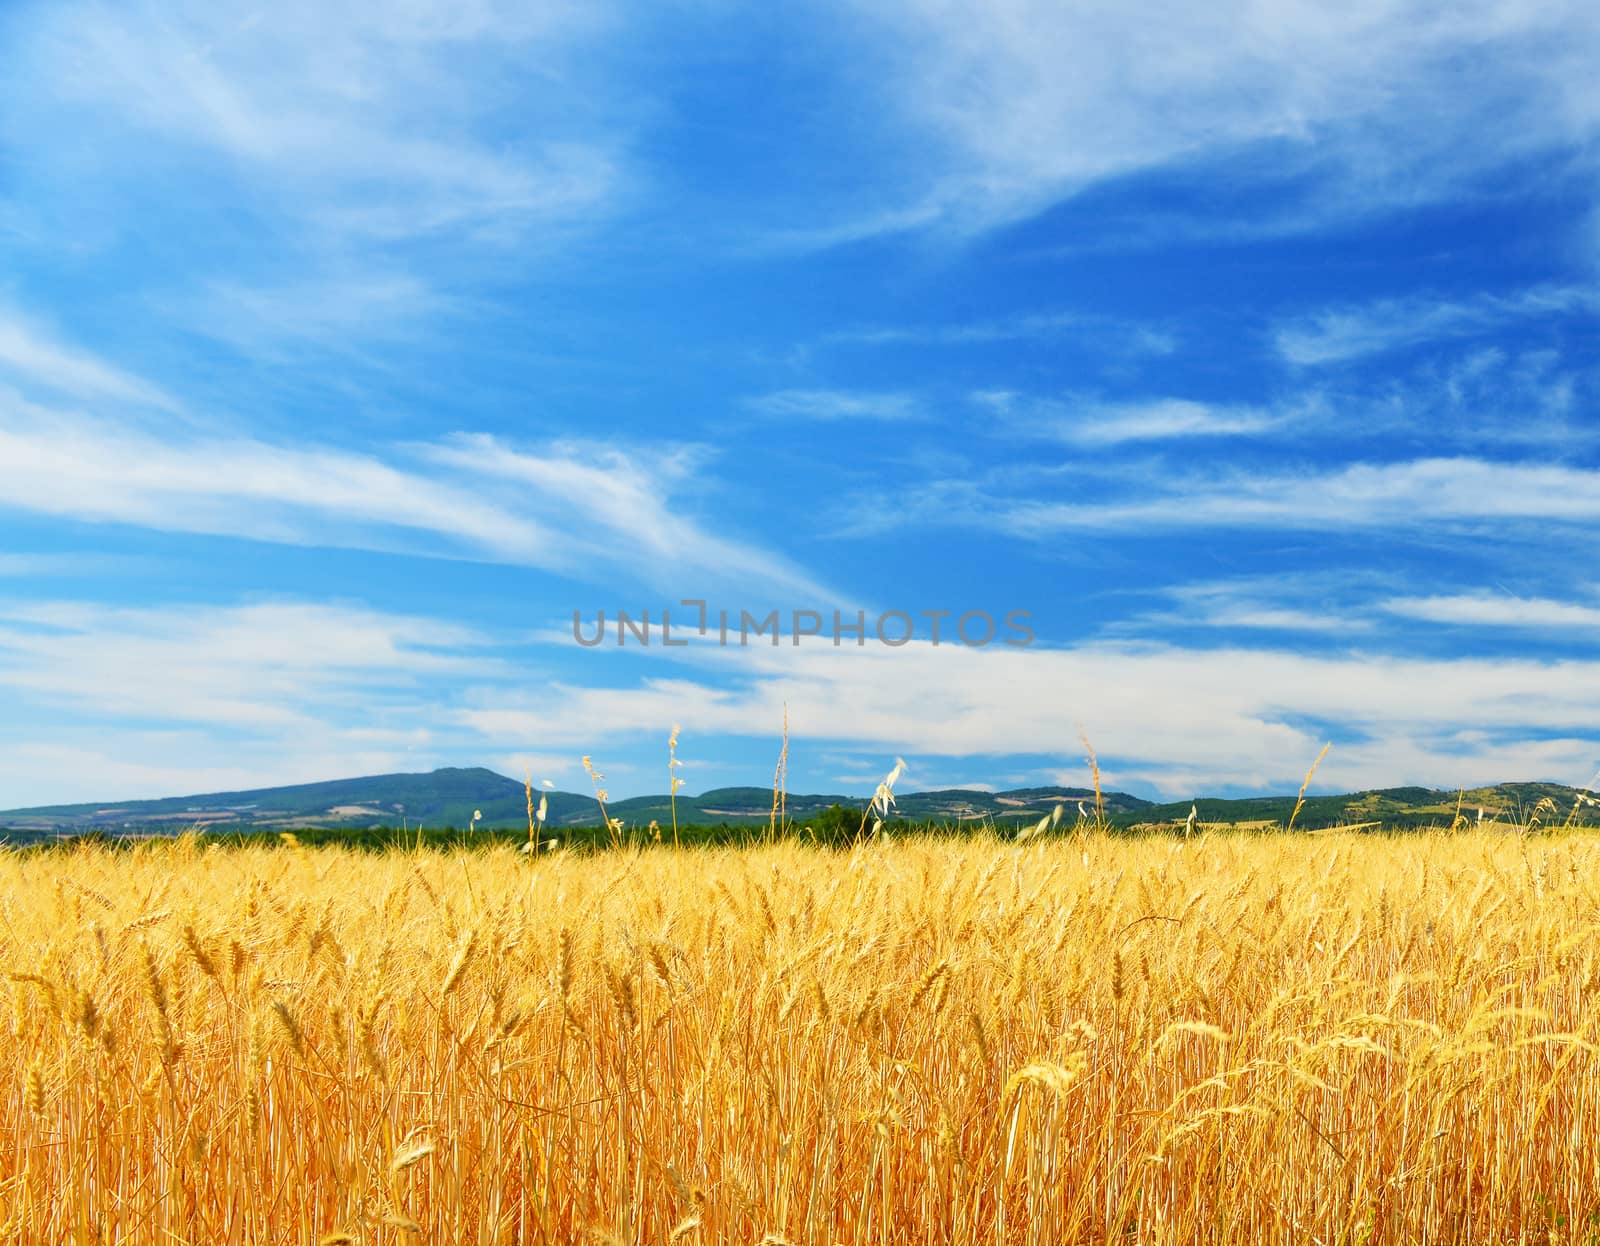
1513 803
448 797
442 797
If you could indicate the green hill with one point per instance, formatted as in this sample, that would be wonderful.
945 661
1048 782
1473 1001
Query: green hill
449 797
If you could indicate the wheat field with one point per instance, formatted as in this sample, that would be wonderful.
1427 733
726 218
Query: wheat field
1239 1038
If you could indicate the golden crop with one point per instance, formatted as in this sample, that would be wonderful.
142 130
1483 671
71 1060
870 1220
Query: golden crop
1240 1038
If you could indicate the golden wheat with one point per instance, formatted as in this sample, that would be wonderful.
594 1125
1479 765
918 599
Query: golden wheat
1227 1039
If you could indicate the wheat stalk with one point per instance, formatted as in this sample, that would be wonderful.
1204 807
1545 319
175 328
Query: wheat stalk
1300 800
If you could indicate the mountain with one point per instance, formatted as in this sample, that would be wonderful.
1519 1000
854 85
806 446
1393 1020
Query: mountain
449 797
444 796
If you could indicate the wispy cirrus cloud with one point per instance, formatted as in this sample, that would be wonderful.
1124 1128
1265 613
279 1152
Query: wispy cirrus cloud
1125 337
1027 103
303 181
20 563
359 119
1339 334
72 467
834 404
1500 610
325 313
34 358
584 509
632 503
1366 603
1254 605
1401 496
1091 422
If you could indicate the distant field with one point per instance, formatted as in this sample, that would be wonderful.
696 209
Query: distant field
1083 1038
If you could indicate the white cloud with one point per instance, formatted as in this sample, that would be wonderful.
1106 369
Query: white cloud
17 563
273 666
627 507
1406 499
1490 610
111 702
1165 714
34 358
370 120
102 472
592 511
284 691
302 180
1334 335
1481 399
1124 337
1338 602
327 312
834 404
1023 102
1401 496
1279 618
203 698
1091 422
1499 397
1332 603
538 767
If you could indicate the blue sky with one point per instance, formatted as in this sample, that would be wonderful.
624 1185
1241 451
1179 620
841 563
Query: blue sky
347 350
